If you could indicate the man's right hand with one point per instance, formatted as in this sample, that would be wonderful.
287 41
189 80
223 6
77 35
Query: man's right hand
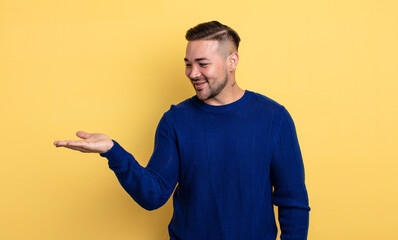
92 143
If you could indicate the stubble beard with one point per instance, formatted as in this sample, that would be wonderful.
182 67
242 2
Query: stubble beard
212 91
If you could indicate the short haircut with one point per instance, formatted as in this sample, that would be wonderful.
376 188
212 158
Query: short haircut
213 30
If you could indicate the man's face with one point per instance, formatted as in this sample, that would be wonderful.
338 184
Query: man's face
206 67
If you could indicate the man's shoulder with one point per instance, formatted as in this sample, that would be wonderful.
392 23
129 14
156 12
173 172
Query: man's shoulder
179 108
187 103
267 103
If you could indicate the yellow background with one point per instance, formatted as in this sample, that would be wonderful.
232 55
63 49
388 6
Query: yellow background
115 66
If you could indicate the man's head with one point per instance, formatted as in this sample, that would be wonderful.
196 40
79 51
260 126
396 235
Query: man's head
211 58
214 30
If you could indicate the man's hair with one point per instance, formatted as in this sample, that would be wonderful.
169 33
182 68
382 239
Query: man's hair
213 30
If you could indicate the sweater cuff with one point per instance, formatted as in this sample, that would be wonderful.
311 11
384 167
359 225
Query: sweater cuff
115 154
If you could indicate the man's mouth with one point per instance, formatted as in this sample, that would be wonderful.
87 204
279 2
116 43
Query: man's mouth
199 84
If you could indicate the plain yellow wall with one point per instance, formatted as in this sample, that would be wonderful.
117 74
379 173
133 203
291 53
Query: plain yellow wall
115 67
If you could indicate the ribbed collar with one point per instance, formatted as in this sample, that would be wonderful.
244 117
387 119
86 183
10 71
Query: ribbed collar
247 96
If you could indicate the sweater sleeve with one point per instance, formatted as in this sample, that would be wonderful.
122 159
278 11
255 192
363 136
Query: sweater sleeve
149 186
287 176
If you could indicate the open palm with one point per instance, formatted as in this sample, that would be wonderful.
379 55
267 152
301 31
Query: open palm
91 143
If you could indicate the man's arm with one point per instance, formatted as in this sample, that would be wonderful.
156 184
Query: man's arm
149 186
287 176
153 185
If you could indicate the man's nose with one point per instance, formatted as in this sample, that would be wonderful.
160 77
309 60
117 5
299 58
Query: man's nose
195 73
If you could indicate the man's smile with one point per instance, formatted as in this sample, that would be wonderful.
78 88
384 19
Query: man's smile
199 84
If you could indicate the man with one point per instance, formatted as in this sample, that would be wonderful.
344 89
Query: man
234 153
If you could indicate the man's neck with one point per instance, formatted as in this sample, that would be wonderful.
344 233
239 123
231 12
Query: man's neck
231 93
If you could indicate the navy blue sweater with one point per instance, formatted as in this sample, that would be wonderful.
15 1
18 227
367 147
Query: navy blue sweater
230 164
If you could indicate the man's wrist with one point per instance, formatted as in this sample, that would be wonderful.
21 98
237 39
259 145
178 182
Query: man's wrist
109 144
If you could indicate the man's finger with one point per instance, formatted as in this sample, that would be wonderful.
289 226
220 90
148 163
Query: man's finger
77 143
82 134
60 143
78 148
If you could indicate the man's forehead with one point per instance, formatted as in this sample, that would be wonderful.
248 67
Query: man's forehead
201 49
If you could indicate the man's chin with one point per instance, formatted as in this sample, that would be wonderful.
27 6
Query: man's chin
201 95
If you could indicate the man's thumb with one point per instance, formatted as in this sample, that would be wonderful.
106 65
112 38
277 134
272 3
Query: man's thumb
82 134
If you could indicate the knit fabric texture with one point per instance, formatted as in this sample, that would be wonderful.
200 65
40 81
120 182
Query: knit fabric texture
227 165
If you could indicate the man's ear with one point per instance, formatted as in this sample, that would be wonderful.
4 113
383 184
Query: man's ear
232 61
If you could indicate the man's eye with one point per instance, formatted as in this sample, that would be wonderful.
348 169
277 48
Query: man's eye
203 64
187 65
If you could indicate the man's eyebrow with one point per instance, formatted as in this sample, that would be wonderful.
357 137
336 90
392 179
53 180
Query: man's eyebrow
196 59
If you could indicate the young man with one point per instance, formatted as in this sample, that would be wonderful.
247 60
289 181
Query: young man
234 153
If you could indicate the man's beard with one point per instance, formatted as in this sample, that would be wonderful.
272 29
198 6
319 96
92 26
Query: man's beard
213 92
